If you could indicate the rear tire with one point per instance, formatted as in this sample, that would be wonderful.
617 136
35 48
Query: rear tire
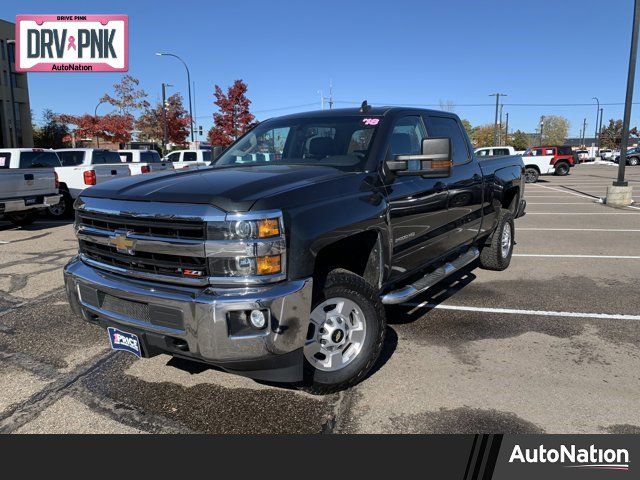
497 255
348 316
562 169
531 175
633 161
22 219
64 208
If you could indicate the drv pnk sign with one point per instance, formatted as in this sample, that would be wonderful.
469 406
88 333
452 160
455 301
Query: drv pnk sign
72 43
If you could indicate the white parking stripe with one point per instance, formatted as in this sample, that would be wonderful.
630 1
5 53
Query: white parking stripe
543 313
577 229
582 213
561 191
557 203
549 255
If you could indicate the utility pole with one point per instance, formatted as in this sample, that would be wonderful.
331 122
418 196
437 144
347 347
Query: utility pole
584 130
541 128
500 127
595 140
506 129
620 193
164 117
495 123
330 94
600 126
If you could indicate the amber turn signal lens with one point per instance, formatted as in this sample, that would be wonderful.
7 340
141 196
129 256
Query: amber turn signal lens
268 228
268 265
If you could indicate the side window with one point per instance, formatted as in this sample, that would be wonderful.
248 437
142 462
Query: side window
537 151
549 151
126 157
190 156
174 157
407 136
5 158
450 128
483 153
500 151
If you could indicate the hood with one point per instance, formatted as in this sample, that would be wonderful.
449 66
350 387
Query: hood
228 188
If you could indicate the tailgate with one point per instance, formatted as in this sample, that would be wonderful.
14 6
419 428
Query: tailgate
104 173
25 182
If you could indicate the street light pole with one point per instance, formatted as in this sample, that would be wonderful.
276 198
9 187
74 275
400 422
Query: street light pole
495 123
629 98
189 87
506 128
600 125
95 114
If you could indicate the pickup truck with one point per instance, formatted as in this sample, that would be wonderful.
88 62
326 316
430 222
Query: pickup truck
82 168
280 270
633 157
185 159
28 183
143 161
495 151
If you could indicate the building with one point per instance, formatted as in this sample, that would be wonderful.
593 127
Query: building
15 111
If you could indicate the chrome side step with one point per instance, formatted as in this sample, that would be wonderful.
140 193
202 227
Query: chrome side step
407 292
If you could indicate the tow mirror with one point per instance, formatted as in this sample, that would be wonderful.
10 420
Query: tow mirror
433 162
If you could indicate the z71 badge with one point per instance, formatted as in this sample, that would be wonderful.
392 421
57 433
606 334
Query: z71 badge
72 43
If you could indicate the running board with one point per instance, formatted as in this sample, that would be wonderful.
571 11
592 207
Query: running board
408 292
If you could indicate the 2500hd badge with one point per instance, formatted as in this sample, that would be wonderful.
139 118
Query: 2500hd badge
278 261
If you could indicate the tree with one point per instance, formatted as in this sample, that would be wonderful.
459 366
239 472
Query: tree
520 140
556 129
483 135
469 128
127 96
234 117
111 127
611 135
447 105
150 123
52 133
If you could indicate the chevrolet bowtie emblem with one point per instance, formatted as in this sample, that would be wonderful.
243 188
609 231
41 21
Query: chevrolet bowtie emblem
122 243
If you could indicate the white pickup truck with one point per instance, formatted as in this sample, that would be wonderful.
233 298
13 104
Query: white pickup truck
534 164
82 168
143 161
184 159
28 182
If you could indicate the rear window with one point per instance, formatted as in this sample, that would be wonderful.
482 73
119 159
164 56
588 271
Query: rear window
150 157
126 157
206 155
71 159
39 160
5 159
190 157
500 151
111 157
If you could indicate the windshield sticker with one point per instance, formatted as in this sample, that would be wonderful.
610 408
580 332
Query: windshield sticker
371 121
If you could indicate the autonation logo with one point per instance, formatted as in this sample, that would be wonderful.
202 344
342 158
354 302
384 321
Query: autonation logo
590 458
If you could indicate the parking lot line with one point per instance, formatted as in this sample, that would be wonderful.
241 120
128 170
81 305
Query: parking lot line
550 255
557 203
582 213
542 313
578 229
563 191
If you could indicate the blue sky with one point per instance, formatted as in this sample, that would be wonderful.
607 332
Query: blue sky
393 52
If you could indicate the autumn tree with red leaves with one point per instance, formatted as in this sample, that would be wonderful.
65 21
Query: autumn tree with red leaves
234 117
150 123
112 127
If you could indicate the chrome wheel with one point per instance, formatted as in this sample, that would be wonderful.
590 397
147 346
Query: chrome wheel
336 334
505 240
59 209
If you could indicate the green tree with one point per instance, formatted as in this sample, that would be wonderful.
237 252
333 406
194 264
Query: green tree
611 135
52 133
468 127
483 135
520 140
556 129
127 97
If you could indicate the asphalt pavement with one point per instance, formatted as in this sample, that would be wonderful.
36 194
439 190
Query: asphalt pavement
550 345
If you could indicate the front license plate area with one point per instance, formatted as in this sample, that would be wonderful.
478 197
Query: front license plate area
121 340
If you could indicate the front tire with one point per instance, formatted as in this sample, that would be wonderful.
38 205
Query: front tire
497 255
346 333
633 161
531 175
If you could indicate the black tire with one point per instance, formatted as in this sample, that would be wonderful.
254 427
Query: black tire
633 161
23 219
531 175
345 284
492 256
64 208
562 169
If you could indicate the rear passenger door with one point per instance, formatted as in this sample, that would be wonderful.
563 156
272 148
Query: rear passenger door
464 185
417 205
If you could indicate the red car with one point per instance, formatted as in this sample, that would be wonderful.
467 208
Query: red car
563 158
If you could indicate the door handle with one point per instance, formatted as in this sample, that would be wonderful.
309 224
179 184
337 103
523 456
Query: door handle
28 176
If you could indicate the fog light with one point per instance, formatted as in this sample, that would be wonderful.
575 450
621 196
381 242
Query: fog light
258 319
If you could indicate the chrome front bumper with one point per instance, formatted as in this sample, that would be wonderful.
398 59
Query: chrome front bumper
18 204
195 315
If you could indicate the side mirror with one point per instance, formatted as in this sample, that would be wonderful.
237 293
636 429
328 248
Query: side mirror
433 162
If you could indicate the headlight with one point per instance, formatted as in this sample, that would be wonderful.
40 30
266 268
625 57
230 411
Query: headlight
247 248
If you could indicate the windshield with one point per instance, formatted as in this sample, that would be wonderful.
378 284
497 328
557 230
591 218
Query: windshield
341 142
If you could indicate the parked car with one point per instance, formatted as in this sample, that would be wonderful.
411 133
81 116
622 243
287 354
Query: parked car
581 156
633 157
280 269
28 183
184 159
606 154
143 161
495 151
562 157
82 168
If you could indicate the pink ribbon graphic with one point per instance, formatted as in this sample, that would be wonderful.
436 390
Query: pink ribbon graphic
72 43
